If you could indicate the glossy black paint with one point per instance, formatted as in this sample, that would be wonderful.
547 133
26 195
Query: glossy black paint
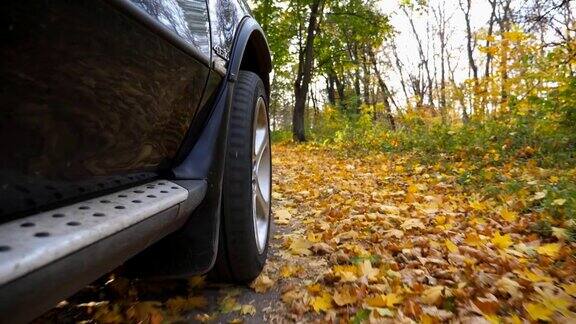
90 100
186 18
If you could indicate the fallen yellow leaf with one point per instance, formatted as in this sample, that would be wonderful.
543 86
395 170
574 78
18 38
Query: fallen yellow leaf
381 300
262 283
570 289
365 270
346 272
538 311
501 241
321 303
440 220
432 295
550 250
344 297
412 223
376 301
283 217
451 246
533 276
473 239
180 304
288 271
508 215
248 310
300 246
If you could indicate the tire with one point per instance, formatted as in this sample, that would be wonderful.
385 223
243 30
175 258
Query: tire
246 220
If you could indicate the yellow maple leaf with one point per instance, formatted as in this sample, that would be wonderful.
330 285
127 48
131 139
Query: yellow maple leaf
382 300
344 297
314 288
556 303
376 301
411 223
451 246
477 205
393 299
432 295
570 289
533 276
313 237
508 215
365 270
229 304
440 220
514 319
288 271
248 310
492 318
179 304
550 250
501 241
346 272
472 239
262 283
321 303
427 319
300 246
538 311
283 216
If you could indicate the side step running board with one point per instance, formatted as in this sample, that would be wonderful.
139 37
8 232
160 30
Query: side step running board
49 255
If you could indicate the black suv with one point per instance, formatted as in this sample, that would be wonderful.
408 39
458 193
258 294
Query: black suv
130 130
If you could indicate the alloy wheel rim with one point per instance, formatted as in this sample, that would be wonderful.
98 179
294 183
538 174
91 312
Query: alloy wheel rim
261 175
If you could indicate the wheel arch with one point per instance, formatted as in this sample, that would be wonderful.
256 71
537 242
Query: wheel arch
256 58
251 52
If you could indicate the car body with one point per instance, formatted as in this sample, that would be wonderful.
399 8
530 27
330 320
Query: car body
100 97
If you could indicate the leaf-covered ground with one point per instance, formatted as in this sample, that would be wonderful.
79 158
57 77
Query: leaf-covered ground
379 238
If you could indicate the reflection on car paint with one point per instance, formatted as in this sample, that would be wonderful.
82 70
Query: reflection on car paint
87 93
224 18
187 18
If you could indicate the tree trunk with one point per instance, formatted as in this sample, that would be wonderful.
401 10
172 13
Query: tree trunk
423 58
330 89
366 79
401 72
358 99
504 23
385 91
340 89
304 74
490 33
469 47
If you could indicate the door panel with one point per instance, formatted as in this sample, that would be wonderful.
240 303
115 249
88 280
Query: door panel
89 100
187 18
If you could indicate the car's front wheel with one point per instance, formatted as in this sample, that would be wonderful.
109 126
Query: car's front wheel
247 187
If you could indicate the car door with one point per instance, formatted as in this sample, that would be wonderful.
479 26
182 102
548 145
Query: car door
95 94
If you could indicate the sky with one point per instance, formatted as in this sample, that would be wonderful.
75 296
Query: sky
407 45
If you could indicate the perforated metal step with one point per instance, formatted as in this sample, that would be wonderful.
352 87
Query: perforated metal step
30 243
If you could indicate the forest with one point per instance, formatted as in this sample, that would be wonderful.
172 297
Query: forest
341 67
